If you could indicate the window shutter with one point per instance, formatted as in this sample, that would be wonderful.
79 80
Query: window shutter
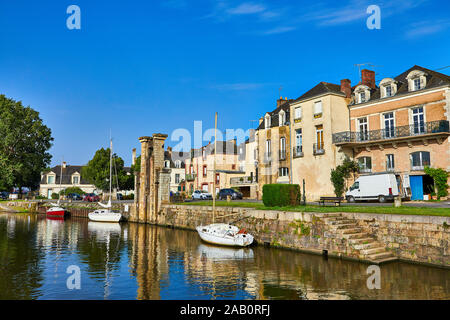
298 113
318 107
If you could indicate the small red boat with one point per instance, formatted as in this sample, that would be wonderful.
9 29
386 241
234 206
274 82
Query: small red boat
57 212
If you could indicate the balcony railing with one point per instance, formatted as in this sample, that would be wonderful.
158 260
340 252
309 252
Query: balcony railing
282 155
441 126
298 151
191 176
318 148
243 180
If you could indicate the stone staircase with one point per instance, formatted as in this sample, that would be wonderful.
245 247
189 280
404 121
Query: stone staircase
368 248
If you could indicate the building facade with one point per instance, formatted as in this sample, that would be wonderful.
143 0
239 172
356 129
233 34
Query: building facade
401 126
175 161
315 117
71 177
274 146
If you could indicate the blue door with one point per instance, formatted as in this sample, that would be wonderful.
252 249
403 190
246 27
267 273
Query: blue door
416 187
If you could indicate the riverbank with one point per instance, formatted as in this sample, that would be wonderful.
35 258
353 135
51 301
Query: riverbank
367 237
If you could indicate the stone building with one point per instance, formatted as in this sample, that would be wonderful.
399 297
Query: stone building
176 162
400 126
200 166
52 182
315 117
274 145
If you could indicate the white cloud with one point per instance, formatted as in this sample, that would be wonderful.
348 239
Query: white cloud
247 8
424 28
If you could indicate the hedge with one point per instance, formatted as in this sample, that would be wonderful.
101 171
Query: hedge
280 195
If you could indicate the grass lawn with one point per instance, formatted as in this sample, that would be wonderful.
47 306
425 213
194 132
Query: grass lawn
423 211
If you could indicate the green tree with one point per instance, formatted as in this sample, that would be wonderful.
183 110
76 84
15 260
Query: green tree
97 172
24 145
341 174
72 190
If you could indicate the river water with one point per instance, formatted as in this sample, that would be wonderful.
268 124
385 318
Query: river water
40 259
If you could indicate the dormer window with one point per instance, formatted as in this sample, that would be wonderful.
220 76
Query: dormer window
267 121
362 93
75 179
51 179
166 164
388 91
417 80
178 164
388 87
282 117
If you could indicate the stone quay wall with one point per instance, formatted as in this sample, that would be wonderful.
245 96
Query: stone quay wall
419 239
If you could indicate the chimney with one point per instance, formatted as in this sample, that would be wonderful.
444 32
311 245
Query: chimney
281 101
133 157
64 165
346 87
368 78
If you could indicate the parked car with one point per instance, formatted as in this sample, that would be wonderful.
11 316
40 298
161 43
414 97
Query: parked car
91 197
379 187
201 195
224 193
119 196
74 196
4 195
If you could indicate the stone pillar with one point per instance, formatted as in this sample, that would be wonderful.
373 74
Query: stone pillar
144 182
158 165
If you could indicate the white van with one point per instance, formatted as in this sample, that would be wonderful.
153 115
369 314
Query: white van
379 187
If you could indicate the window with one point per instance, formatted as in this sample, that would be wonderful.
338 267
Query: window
298 142
419 160
75 179
177 164
233 167
205 172
363 133
417 84
317 109
217 178
282 118
50 179
204 154
389 129
282 148
362 97
355 186
390 165
268 148
298 113
284 172
177 178
365 164
167 164
319 137
191 169
418 121
267 123
388 91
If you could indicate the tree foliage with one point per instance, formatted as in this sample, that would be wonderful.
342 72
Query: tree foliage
97 172
341 174
72 190
440 178
24 145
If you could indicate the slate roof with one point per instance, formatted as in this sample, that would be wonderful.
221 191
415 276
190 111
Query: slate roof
319 89
434 79
176 155
67 173
285 106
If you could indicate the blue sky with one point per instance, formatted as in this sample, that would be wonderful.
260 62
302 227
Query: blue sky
141 67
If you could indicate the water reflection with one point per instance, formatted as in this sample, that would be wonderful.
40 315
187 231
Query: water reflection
130 261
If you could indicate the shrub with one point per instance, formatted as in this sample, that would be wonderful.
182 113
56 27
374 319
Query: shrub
55 196
128 197
72 190
440 177
280 195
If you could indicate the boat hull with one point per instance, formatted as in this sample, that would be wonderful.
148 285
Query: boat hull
105 217
242 240
57 212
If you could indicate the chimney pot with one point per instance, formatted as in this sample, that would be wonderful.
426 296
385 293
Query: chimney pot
64 164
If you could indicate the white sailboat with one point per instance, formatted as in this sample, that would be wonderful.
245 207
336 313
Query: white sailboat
106 214
222 233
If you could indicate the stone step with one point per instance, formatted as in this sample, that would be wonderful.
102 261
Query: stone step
379 256
361 240
356 235
385 260
344 226
350 230
369 245
342 222
373 250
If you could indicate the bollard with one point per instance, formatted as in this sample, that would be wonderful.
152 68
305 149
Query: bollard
228 198
397 201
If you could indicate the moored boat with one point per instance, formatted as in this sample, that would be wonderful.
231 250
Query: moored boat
225 235
57 212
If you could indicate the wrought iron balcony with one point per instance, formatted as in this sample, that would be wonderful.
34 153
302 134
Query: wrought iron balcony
298 151
191 176
414 130
318 148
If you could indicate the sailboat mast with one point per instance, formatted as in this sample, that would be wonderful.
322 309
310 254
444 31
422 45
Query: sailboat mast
60 180
214 175
110 169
